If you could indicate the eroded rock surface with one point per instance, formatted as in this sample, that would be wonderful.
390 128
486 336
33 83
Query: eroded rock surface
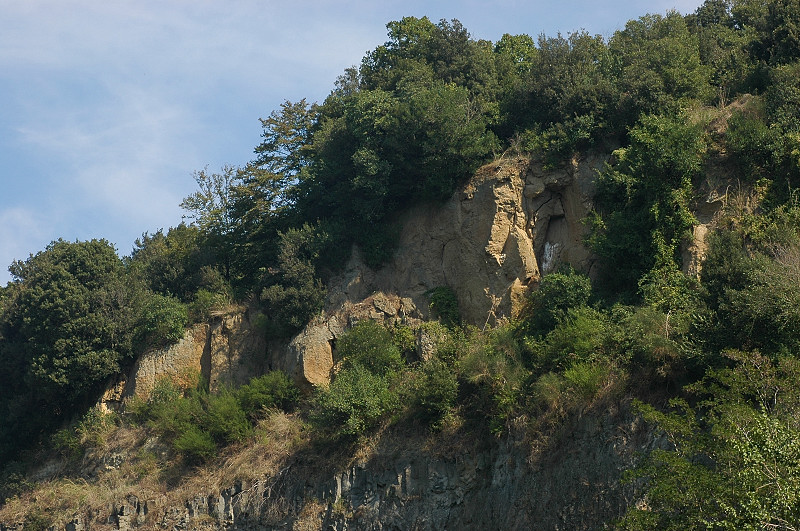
490 243
228 350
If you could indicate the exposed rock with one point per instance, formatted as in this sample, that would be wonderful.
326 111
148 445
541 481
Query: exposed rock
229 350
491 242
572 483
309 357
494 238
429 338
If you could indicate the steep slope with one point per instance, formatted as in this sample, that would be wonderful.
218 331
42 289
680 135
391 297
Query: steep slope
490 243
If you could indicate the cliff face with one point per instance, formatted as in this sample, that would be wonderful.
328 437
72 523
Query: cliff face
228 350
512 223
401 481
490 243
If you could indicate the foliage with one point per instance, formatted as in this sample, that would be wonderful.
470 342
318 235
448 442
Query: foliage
658 66
89 432
68 325
295 293
369 345
272 390
197 423
177 263
733 463
492 365
557 293
750 140
444 305
355 403
643 202
162 321
212 209
434 391
580 335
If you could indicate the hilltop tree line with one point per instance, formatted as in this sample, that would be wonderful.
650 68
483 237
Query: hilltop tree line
670 95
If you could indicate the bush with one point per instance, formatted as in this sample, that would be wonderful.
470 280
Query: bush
90 431
13 481
197 445
549 391
493 363
205 303
444 305
272 390
162 321
557 293
585 379
369 345
405 339
435 391
355 403
223 418
750 140
579 336
165 391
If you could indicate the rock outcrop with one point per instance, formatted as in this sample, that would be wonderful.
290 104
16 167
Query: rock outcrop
512 223
574 482
490 243
309 357
228 350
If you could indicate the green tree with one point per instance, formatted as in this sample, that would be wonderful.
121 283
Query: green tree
369 345
294 293
557 294
732 461
643 202
657 66
211 207
355 403
71 317
177 263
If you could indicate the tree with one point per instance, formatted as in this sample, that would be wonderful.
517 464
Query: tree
295 294
657 66
212 209
643 202
733 459
71 317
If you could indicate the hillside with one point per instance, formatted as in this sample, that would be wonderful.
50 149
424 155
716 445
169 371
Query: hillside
526 284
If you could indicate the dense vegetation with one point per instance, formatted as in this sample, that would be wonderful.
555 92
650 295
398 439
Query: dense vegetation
672 96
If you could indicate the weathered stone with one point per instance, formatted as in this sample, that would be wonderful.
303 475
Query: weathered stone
494 239
227 350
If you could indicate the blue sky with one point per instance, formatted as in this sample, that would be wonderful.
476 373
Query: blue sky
108 107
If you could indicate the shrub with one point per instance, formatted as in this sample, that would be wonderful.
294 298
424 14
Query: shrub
579 336
162 321
404 338
164 391
205 303
272 390
90 431
223 418
493 362
369 344
197 445
13 481
549 391
355 402
444 305
557 293
435 391
749 140
585 379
